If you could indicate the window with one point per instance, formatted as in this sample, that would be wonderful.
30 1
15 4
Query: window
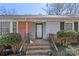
68 26
14 27
61 25
76 26
4 28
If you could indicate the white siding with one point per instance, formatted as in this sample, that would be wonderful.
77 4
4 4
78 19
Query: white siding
78 26
52 27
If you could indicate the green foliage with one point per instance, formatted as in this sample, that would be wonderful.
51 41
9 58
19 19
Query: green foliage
62 51
10 39
67 36
61 33
66 33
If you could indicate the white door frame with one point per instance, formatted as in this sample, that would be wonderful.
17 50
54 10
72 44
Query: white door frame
36 33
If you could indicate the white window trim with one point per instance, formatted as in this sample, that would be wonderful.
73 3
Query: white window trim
11 26
72 24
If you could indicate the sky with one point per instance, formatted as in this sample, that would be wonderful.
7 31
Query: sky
25 8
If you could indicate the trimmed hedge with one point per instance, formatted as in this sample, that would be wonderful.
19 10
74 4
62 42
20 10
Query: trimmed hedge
67 36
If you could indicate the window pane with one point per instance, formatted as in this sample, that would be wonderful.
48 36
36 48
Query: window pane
14 27
61 25
5 27
5 24
76 26
68 26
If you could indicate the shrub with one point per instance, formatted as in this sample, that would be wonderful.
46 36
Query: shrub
11 39
67 36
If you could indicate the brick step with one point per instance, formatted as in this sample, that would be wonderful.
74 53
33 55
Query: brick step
38 47
46 54
37 52
38 44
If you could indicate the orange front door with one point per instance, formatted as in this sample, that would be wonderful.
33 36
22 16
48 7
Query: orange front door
22 28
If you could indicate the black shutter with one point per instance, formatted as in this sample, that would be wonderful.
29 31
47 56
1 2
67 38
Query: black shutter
76 26
61 25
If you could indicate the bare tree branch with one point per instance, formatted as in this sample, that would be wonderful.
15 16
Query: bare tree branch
62 9
6 11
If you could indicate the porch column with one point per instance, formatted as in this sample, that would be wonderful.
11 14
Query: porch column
26 27
11 27
29 27
17 27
